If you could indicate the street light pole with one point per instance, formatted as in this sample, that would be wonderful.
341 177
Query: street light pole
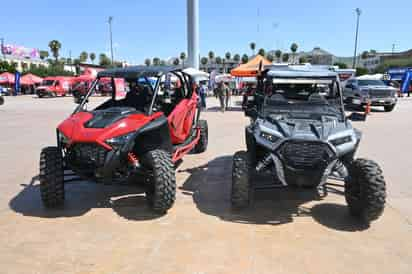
111 38
2 47
358 13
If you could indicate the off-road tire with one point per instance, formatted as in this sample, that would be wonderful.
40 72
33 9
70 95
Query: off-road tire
365 190
161 184
389 108
51 177
201 146
241 188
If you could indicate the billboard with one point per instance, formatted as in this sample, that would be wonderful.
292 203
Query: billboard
20 51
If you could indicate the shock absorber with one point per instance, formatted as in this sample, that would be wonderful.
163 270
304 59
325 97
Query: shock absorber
132 159
267 160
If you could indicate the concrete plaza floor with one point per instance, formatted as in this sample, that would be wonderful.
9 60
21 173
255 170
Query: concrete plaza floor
109 229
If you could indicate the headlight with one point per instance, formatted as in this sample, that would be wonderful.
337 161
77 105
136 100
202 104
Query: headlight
63 138
269 137
342 140
119 141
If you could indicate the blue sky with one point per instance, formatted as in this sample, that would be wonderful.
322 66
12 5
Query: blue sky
158 28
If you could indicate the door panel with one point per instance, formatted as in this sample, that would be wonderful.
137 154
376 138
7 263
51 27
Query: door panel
181 119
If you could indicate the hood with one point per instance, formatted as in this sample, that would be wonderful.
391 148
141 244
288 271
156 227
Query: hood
305 127
100 125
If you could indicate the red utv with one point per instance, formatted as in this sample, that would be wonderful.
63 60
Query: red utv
145 134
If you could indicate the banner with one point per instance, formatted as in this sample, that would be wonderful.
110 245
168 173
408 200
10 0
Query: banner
20 51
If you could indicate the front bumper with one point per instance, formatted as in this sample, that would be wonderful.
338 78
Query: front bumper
374 101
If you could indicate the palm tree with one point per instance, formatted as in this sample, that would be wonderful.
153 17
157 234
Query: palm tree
92 56
365 54
294 49
156 61
245 58
183 58
228 56
261 52
103 60
147 62
176 62
204 61
278 54
285 57
83 56
236 58
55 47
270 57
253 47
211 56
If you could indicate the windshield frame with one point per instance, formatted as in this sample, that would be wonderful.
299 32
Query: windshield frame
313 80
185 79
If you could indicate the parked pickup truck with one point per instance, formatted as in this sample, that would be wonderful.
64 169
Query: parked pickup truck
361 91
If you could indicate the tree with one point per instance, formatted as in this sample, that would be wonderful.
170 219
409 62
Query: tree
103 60
204 61
92 56
83 56
218 60
252 47
228 56
361 71
147 62
373 52
236 58
69 61
294 49
55 47
162 62
262 52
270 57
176 62
245 58
302 60
211 56
183 58
285 57
278 54
365 54
44 54
156 61
341 65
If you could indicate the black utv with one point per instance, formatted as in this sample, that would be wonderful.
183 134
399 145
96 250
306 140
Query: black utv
300 134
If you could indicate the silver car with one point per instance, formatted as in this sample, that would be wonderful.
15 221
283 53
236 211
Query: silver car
361 91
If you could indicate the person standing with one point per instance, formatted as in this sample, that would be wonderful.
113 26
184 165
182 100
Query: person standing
220 93
202 94
228 94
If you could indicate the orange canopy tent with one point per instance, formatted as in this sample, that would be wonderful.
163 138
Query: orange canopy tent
30 79
6 78
251 68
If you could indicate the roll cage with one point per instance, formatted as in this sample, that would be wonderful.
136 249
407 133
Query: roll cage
140 73
290 76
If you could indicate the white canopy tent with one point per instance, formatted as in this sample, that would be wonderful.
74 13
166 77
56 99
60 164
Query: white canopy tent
198 75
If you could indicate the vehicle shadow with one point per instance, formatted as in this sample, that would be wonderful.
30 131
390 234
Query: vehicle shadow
218 109
210 187
127 200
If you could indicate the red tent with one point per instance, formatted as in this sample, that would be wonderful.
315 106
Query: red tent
30 79
6 78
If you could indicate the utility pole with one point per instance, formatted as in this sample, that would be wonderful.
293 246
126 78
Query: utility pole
358 13
111 37
193 33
